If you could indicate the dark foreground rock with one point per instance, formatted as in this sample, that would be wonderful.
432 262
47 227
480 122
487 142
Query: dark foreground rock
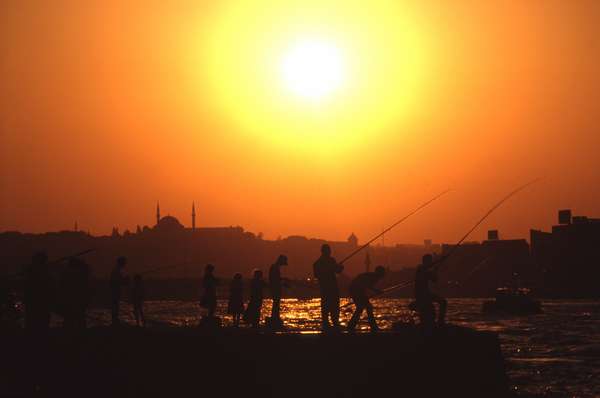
191 362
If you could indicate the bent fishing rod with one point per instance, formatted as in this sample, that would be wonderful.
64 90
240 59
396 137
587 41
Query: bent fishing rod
53 262
83 253
364 246
441 261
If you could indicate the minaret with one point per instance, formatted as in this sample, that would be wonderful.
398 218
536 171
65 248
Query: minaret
157 213
368 262
193 216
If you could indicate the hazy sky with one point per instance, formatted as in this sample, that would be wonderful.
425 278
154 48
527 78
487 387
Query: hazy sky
106 108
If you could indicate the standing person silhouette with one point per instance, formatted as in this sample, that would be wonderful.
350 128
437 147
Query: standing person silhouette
209 283
253 311
117 279
38 294
424 298
75 293
358 292
138 294
276 284
325 270
235 307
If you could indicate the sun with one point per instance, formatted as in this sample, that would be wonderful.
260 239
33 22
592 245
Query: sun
290 75
313 69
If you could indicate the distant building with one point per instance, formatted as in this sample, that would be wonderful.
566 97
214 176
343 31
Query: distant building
353 240
564 217
569 256
157 213
193 216
477 269
493 235
169 224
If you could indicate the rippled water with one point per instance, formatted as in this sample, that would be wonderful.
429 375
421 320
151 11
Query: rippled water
556 353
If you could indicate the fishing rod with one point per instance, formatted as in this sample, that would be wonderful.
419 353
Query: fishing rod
364 246
441 261
54 262
393 226
83 253
475 269
485 216
411 282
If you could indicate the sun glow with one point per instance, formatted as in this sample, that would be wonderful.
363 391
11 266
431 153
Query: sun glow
313 69
293 74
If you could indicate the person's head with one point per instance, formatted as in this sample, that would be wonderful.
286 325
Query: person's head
209 269
237 276
121 262
326 250
282 260
427 260
380 271
257 274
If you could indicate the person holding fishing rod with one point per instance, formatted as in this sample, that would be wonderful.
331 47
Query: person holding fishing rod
277 283
325 270
426 271
358 292
209 298
117 279
38 294
425 298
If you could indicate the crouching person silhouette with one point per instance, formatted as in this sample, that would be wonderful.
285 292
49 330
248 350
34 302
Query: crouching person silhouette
359 288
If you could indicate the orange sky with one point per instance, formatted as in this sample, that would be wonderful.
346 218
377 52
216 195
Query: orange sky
106 108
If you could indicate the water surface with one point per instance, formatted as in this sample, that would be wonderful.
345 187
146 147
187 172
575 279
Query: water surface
556 353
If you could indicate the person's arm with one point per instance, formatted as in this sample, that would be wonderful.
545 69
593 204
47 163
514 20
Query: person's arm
372 284
338 267
376 290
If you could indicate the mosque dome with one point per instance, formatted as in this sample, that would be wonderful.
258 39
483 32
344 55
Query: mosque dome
169 223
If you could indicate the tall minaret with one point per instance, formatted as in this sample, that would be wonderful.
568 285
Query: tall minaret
193 216
368 261
157 212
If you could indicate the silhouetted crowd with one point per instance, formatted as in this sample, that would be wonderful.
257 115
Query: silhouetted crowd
71 296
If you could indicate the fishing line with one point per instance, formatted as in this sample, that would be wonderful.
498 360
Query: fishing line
393 226
441 261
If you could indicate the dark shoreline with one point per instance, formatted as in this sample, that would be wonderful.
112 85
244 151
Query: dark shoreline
165 361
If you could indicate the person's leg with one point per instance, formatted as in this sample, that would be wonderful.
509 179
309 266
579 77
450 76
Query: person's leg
371 317
335 310
426 315
136 314
114 311
142 317
258 314
355 317
443 304
212 308
324 310
276 309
